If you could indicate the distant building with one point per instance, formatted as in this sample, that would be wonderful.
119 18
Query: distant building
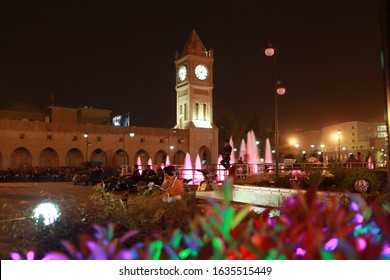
61 136
345 138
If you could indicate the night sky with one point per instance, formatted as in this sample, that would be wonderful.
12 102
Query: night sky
119 55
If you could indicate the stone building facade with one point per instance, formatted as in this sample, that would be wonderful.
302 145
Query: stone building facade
69 137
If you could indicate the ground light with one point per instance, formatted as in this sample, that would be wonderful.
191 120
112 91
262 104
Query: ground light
47 212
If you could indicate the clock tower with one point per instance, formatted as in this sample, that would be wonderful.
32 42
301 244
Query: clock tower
194 84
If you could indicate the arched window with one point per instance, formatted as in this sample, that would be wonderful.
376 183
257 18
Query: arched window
204 112
197 111
185 111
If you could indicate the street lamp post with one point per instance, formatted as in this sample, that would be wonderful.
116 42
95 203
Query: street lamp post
339 138
279 90
86 147
131 134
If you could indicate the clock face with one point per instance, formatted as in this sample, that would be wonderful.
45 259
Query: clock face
201 72
182 73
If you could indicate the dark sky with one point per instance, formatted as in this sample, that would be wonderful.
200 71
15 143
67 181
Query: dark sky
119 55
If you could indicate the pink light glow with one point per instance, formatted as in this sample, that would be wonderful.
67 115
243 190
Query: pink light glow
167 162
187 174
139 163
300 252
361 244
150 161
252 150
198 177
232 156
221 169
243 150
268 153
331 244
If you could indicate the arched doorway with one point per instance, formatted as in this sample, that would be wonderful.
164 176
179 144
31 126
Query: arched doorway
160 157
205 155
120 158
48 158
178 158
99 155
142 158
74 158
21 158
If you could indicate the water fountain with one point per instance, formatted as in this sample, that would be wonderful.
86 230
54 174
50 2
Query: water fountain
252 149
221 169
268 152
167 162
243 150
232 156
198 177
187 173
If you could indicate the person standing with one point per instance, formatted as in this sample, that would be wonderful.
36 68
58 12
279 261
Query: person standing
227 150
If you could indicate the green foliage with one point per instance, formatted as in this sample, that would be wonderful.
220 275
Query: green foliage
307 228
352 174
150 215
283 181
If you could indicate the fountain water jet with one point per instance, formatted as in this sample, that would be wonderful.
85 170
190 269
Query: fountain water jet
221 169
252 150
198 177
243 150
268 152
167 162
232 156
187 174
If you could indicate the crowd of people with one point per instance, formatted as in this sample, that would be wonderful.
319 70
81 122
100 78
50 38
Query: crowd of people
165 179
35 174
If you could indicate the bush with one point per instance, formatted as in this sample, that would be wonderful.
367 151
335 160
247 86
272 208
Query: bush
308 228
149 215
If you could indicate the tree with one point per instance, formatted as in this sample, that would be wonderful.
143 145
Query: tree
229 126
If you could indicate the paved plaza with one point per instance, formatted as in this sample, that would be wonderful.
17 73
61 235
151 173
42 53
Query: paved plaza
30 194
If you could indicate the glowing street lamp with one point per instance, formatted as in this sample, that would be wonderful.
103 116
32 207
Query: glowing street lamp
338 137
131 134
86 147
279 90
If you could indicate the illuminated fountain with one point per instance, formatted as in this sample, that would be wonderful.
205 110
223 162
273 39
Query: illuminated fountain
187 173
252 152
243 150
198 177
232 156
221 169
268 152
167 162
251 147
